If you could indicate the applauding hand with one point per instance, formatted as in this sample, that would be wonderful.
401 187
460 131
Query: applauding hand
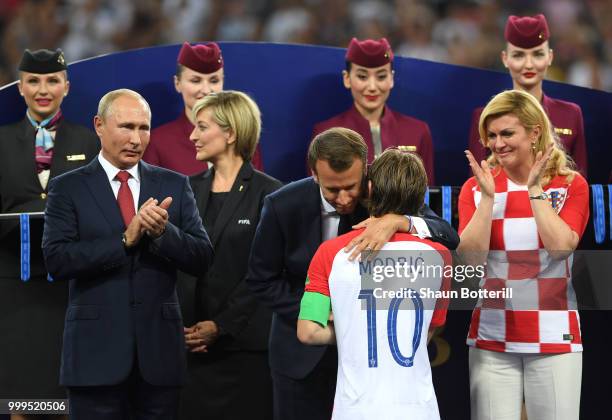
483 175
154 217
537 170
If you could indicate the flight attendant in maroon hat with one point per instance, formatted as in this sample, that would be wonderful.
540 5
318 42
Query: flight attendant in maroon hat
527 57
369 76
199 71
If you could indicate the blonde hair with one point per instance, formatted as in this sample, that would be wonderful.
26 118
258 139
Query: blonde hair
530 114
237 113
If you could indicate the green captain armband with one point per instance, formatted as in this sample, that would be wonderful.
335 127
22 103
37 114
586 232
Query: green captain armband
315 307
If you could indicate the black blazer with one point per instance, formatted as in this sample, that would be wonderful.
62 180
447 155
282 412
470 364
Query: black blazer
287 237
222 294
20 189
35 305
121 302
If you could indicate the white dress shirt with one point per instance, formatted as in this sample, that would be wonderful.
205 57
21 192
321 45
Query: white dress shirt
111 173
330 219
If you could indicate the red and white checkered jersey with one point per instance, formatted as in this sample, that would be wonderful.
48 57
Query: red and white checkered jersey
540 316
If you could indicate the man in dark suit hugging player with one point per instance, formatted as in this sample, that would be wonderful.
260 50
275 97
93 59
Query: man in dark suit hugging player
294 221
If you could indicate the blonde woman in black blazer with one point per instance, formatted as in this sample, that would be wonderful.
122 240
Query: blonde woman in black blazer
229 376
33 150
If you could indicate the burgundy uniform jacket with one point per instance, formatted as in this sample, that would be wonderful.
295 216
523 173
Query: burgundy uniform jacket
396 129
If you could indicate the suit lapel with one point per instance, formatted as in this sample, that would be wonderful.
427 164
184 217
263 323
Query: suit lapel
237 193
311 216
388 130
362 126
101 190
58 162
25 148
201 190
150 184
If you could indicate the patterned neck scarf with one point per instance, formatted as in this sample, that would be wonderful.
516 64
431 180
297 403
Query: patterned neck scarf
44 139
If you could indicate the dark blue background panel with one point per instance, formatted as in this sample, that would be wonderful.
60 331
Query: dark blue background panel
297 86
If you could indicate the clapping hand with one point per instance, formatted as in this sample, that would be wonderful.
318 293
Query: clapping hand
537 170
154 217
135 230
483 175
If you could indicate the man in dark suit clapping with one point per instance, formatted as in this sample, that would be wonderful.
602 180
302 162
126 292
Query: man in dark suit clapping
124 352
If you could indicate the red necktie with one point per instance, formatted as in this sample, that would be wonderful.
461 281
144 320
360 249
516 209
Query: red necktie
125 198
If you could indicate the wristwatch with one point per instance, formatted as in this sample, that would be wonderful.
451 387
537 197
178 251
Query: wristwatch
542 196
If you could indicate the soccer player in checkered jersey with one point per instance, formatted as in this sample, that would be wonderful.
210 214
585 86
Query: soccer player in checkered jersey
524 210
383 366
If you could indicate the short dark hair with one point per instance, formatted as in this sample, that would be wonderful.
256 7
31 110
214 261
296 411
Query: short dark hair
399 182
339 147
348 65
179 70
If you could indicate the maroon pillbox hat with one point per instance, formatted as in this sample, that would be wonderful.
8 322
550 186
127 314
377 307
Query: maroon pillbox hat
526 32
369 53
203 58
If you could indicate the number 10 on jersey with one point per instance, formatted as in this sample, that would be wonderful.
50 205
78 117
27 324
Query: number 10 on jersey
368 296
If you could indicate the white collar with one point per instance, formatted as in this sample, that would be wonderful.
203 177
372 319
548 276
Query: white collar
112 171
327 208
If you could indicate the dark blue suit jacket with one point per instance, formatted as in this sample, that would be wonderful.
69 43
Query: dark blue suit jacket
287 237
121 302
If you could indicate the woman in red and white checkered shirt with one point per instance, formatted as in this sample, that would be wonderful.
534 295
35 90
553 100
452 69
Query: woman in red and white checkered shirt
523 213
